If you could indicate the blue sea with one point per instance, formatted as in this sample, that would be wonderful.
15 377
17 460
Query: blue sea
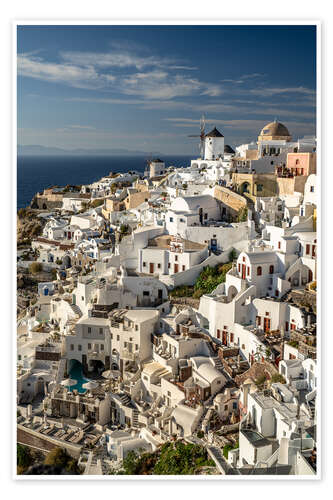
35 173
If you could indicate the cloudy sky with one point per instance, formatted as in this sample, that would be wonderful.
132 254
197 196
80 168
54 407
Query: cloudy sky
145 87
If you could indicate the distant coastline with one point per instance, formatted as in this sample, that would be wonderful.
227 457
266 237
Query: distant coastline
37 150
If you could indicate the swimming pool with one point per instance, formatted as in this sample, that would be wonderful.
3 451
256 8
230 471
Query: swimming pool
76 373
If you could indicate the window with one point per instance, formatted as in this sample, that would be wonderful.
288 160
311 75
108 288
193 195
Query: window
259 271
267 313
279 245
183 268
101 331
145 293
307 249
313 250
231 337
258 320
144 264
131 338
225 407
136 347
118 337
169 265
169 393
136 328
287 326
218 334
125 344
276 293
111 335
89 329
248 271
171 219
89 346
239 268
159 266
271 269
79 347
243 346
72 347
243 259
311 189
176 258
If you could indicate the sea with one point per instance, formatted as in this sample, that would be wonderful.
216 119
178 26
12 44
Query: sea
35 173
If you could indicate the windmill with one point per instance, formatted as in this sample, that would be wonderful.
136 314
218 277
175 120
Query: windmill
202 137
148 160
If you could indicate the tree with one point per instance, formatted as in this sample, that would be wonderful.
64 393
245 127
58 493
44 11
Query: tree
58 457
23 456
232 255
242 215
35 267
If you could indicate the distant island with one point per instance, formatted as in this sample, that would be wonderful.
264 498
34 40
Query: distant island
37 150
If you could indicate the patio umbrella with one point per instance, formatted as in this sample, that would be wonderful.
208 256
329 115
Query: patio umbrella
111 374
90 385
68 382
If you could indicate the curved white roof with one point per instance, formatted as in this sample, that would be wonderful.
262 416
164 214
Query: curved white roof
190 203
209 373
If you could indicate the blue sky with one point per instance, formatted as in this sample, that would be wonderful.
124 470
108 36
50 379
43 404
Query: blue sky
145 87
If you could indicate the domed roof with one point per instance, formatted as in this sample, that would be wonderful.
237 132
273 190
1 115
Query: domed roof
275 129
228 149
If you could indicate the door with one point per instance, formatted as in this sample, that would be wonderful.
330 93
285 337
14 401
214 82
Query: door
267 324
310 275
243 271
151 267
176 268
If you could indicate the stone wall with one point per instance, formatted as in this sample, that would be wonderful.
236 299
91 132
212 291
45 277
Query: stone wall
233 201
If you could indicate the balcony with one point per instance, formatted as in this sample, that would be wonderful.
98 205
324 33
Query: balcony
125 354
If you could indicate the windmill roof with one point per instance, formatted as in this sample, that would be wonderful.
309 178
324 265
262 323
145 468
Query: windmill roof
214 133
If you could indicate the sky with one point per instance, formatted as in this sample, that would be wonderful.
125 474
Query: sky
146 87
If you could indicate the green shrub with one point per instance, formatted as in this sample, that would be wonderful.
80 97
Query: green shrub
35 267
96 203
277 377
23 456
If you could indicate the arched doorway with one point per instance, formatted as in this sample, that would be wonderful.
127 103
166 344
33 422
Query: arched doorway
96 367
245 187
67 261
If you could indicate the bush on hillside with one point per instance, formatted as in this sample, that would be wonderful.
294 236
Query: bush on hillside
35 267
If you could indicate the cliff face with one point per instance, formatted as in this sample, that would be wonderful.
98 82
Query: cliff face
28 227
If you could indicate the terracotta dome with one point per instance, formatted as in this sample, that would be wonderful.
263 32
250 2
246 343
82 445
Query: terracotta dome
274 130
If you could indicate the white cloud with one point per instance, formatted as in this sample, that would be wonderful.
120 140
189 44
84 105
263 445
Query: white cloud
68 74
267 92
121 59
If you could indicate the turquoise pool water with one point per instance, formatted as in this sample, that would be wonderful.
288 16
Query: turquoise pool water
76 373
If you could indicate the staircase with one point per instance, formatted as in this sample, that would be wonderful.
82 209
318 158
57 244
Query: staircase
125 399
76 310
135 420
61 370
218 363
220 462
312 408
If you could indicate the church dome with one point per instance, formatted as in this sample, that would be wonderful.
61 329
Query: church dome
274 130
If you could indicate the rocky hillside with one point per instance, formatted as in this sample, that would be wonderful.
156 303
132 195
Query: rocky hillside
28 227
